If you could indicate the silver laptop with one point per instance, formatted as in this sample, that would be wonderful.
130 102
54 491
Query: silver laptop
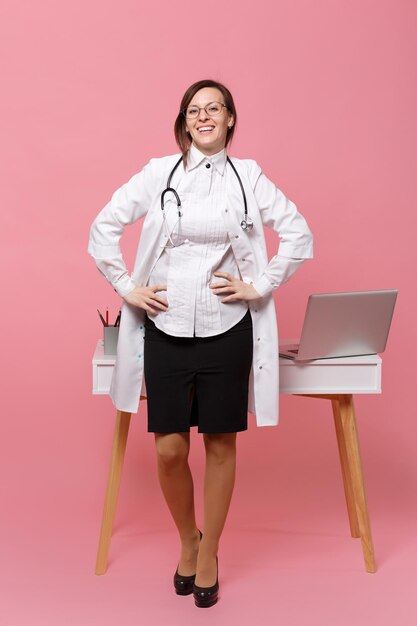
344 324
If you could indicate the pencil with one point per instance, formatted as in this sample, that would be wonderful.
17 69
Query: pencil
102 318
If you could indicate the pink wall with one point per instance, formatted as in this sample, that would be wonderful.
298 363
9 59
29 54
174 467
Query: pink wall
326 98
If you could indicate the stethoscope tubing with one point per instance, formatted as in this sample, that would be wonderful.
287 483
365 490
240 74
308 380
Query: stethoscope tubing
246 222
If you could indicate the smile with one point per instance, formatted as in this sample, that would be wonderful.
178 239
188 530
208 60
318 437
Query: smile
205 129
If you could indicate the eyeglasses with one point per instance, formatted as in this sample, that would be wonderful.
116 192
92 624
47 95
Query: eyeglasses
212 109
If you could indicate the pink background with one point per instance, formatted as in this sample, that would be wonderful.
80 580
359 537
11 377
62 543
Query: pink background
326 98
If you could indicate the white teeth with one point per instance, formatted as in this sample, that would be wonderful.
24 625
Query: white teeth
205 128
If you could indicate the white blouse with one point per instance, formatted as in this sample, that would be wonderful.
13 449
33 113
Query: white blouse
197 245
201 247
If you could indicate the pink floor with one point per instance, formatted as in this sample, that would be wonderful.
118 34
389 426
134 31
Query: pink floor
286 556
268 573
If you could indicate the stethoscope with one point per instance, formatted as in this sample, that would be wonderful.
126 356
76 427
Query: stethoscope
246 223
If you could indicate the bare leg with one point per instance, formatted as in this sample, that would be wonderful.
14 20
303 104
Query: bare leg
177 486
218 489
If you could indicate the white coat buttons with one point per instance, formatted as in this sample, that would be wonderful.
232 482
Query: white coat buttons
260 367
236 236
208 165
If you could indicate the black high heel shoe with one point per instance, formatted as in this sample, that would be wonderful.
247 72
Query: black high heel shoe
184 584
207 596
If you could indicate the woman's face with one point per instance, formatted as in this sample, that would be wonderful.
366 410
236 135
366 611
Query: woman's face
207 133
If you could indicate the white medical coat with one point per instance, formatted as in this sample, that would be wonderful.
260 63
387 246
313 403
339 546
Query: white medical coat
141 197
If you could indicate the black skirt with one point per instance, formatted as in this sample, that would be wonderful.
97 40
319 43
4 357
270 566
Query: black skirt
198 381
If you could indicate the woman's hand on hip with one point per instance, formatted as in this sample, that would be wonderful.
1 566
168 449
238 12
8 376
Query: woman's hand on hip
146 298
237 289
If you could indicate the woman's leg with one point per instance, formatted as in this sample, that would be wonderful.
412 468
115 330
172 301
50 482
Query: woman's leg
177 486
218 488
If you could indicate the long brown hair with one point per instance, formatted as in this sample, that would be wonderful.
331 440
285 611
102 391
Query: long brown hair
182 138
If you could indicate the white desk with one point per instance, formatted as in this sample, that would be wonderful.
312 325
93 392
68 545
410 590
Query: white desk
330 379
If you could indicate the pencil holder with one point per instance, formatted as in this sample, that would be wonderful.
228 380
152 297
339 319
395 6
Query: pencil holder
111 335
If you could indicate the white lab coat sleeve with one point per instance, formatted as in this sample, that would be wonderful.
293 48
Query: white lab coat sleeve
296 240
279 270
128 204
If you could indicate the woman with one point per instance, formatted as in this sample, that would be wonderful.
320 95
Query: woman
198 320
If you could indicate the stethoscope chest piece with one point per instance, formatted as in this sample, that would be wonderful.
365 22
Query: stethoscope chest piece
246 223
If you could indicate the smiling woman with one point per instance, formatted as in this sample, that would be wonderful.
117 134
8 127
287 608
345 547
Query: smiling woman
198 315
210 118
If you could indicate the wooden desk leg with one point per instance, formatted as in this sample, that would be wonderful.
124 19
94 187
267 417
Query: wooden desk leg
347 481
113 482
346 427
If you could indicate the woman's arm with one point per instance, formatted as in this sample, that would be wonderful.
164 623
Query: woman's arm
296 239
296 243
128 204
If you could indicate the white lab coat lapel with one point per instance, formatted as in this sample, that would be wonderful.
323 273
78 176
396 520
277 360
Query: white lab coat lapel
128 382
249 248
